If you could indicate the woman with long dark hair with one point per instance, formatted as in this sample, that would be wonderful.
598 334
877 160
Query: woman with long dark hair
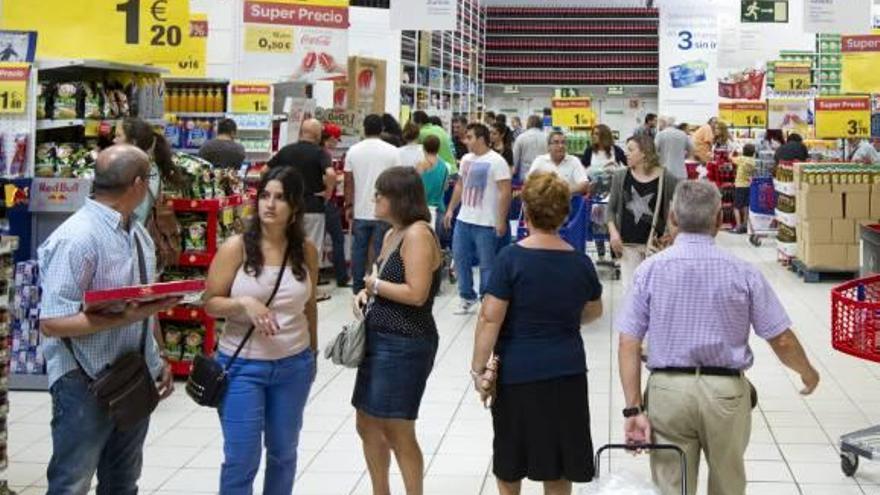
270 381
163 172
502 141
401 333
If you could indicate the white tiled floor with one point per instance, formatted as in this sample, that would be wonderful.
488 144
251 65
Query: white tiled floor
793 450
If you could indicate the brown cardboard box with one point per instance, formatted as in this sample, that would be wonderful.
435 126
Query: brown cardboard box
850 188
825 256
366 84
875 201
853 256
805 187
811 205
815 231
858 205
843 231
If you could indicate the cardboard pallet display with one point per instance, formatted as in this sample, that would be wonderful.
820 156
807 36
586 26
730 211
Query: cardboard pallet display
833 202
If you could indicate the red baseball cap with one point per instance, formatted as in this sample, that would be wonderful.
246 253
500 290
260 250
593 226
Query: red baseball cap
332 130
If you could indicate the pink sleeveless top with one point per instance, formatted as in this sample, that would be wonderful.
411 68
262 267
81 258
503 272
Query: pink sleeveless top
289 308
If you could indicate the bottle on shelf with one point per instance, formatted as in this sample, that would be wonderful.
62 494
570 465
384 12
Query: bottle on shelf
190 100
200 100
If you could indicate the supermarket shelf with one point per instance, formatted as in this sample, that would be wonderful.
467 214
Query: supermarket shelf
28 382
75 67
204 205
556 36
192 258
596 18
540 51
526 85
199 115
48 124
195 80
184 313
577 69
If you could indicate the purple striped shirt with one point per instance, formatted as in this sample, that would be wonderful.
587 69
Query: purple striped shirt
695 304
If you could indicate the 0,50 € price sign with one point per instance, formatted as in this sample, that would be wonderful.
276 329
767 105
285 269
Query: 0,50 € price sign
132 31
251 98
13 87
843 117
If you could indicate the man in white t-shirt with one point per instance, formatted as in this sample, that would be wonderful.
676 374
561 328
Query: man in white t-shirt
364 162
484 193
559 162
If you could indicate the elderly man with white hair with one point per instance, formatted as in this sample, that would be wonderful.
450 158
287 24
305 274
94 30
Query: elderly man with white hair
695 304
673 146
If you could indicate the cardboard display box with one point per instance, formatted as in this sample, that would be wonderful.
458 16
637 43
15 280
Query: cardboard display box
875 201
853 256
366 84
812 205
857 204
815 231
843 231
825 256
850 188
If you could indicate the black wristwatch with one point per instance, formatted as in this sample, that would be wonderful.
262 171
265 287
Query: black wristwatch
631 412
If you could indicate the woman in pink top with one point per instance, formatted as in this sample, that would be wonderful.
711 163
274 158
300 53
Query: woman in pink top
270 381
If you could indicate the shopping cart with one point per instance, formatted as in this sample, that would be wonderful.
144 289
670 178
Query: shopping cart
855 319
651 446
574 230
762 209
597 232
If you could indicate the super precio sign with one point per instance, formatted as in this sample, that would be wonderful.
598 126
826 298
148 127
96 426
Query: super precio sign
300 40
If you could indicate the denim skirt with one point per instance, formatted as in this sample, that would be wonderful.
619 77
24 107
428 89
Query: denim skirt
391 378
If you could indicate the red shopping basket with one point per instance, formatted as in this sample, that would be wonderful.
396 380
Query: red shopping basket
855 318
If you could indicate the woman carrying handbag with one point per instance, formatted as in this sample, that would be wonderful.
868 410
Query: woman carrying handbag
269 380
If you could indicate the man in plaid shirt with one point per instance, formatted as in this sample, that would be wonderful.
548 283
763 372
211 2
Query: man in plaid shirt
694 304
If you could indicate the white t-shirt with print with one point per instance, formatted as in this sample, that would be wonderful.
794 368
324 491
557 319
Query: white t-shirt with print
366 161
571 169
479 194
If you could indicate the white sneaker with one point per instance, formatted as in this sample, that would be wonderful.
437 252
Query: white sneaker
464 307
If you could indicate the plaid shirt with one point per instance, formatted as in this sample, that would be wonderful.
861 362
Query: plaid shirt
92 250
695 304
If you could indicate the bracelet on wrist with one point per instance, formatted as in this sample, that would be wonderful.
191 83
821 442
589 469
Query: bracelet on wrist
376 287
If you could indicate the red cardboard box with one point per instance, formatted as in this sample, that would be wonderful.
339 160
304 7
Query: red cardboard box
141 293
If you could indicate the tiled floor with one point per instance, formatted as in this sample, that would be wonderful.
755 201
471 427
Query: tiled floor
793 447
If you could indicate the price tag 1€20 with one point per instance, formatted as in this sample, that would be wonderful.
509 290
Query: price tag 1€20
13 87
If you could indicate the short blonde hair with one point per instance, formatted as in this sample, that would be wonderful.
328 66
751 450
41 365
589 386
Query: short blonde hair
546 201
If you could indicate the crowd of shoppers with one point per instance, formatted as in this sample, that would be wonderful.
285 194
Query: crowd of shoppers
534 296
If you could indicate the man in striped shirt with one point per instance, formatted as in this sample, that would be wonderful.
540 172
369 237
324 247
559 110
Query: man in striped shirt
694 304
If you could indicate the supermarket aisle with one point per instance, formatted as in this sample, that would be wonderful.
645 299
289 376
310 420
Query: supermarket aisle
793 441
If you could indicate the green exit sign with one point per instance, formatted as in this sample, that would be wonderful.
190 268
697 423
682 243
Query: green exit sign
764 11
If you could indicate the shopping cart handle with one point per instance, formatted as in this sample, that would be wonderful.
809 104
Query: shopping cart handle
648 446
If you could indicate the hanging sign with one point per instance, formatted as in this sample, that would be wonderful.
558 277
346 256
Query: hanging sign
572 112
13 87
297 40
192 60
431 15
131 31
18 46
860 57
743 113
250 97
764 11
793 76
843 117
837 16
789 114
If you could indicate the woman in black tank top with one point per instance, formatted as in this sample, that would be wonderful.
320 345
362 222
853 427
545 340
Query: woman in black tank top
401 332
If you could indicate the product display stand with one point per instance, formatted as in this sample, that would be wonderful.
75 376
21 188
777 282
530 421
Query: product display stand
443 71
193 106
7 272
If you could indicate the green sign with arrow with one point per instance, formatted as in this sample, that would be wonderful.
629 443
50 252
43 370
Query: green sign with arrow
764 11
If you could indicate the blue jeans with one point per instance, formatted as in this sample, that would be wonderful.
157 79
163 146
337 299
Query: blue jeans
264 404
363 230
333 227
85 441
473 242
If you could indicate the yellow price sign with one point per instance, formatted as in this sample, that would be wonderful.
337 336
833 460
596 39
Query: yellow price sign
743 113
272 40
251 98
843 117
228 215
573 112
133 31
726 113
792 76
13 87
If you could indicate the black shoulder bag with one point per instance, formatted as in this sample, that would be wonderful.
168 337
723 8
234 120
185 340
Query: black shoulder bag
208 379
126 389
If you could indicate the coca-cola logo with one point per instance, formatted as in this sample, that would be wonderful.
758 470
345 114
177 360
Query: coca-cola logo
315 40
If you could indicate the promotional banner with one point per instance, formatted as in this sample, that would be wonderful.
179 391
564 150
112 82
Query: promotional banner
837 16
843 117
860 58
688 59
129 31
788 114
13 89
193 61
297 40
366 84
428 15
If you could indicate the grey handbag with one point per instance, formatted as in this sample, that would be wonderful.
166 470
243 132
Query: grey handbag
348 348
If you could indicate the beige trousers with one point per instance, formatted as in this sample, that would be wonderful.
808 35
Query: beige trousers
633 256
708 414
